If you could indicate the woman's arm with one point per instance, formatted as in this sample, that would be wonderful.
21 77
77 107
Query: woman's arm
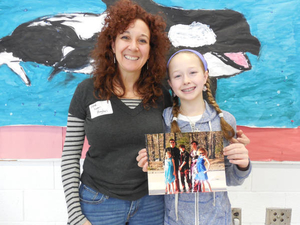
142 159
70 169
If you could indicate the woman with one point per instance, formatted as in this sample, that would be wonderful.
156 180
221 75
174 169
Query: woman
123 101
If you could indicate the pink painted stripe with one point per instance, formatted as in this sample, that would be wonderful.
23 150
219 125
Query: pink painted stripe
32 142
239 58
42 142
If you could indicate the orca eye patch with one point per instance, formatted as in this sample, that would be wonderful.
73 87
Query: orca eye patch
194 35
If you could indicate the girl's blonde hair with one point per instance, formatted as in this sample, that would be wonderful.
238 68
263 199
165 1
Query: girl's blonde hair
227 130
202 149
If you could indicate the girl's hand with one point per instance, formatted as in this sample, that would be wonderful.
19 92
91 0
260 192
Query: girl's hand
240 138
237 154
142 159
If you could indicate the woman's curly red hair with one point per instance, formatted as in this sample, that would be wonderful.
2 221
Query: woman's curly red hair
106 76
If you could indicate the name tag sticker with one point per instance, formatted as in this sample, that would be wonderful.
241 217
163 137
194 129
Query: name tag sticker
100 108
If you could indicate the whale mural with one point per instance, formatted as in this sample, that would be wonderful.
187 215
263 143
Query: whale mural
252 51
65 41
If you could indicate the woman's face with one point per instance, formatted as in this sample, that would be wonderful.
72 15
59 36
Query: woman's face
132 47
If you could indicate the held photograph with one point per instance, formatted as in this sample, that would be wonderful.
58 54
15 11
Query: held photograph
185 162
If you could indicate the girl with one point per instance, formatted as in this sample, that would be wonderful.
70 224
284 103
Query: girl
201 176
188 77
169 172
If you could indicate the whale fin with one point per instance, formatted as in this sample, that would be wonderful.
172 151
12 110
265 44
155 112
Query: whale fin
55 71
14 64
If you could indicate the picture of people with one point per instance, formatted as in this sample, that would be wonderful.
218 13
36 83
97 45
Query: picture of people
175 155
201 171
193 155
196 165
169 173
184 168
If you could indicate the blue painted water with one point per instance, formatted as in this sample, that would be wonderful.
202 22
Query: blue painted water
266 96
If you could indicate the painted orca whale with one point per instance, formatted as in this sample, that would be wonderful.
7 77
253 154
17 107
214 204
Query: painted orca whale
222 36
65 41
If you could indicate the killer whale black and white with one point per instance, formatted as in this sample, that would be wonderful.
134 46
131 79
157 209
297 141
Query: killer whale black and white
65 41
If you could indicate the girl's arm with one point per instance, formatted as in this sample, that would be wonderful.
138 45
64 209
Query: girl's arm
237 162
70 169
173 166
208 165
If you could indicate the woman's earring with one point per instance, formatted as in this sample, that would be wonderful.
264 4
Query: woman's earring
204 88
114 59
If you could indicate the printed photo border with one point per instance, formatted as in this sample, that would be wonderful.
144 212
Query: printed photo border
208 175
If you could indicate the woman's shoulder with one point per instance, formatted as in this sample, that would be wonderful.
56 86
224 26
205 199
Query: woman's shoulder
85 87
167 97
86 83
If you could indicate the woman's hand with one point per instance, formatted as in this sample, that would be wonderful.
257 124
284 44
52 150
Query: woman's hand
237 154
87 223
142 159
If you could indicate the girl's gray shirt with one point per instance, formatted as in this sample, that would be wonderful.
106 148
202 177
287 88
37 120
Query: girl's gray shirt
214 207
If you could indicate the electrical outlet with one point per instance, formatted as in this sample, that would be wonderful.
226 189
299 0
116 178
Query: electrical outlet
236 216
278 216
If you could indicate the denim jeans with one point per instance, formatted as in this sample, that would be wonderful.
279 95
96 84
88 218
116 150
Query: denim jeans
101 209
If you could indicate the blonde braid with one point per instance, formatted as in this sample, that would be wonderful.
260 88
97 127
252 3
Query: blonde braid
227 130
175 111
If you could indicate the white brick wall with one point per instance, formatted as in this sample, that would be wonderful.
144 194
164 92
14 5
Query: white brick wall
31 192
270 185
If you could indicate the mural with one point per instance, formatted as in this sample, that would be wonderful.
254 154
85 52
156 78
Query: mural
252 49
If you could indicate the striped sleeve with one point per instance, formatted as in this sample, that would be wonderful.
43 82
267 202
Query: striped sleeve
70 168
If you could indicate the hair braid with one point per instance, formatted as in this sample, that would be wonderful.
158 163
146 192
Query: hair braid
175 111
227 130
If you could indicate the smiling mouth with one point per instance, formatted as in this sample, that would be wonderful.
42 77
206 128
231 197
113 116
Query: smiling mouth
188 89
131 57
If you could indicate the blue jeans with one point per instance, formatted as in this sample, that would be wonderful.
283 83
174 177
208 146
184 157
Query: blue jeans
101 209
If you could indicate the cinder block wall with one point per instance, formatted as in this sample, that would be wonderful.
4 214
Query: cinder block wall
31 192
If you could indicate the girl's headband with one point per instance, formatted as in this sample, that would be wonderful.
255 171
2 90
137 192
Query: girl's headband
193 51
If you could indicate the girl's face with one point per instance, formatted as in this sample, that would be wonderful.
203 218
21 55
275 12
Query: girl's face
168 155
201 153
187 77
132 47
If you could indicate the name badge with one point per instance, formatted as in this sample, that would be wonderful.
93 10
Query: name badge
100 108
